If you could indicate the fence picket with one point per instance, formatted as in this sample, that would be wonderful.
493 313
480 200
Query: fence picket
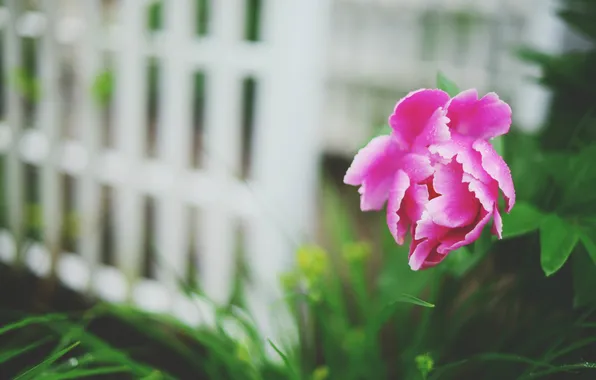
14 114
48 124
222 151
174 139
89 65
129 122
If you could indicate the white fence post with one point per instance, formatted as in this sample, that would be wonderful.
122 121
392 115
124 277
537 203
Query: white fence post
174 139
14 112
222 150
88 64
48 123
286 151
129 126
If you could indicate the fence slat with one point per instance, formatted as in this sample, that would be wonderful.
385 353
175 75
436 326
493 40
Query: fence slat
175 140
286 151
88 66
222 151
14 113
48 122
129 122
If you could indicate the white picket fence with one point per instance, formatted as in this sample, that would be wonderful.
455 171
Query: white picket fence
380 50
274 205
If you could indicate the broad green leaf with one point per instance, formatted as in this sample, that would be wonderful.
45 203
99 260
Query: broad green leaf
584 279
523 218
447 84
557 240
587 235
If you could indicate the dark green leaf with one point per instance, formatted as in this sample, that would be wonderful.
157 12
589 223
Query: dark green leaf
587 236
557 240
523 218
584 279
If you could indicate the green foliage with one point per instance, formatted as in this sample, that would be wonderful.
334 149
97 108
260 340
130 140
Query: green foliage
26 84
523 218
103 88
557 240
447 84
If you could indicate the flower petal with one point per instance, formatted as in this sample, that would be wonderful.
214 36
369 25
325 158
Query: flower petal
427 229
496 167
460 148
417 197
396 220
483 118
497 228
448 178
412 114
453 210
417 166
419 251
423 254
373 169
459 237
487 194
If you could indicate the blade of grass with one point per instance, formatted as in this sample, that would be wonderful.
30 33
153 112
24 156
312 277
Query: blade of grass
30 321
37 370
81 373
563 368
291 370
9 354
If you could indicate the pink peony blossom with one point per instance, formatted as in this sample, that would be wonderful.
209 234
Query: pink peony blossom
437 172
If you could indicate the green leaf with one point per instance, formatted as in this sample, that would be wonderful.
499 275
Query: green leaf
523 218
584 279
447 84
406 298
587 235
557 240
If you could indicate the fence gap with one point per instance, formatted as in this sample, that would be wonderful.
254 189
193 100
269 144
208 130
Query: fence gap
148 233
252 26
155 16
241 272
103 96
153 94
25 79
107 244
33 209
192 252
70 226
198 120
249 99
203 26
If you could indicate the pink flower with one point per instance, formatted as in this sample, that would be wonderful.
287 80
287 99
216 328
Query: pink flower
437 171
